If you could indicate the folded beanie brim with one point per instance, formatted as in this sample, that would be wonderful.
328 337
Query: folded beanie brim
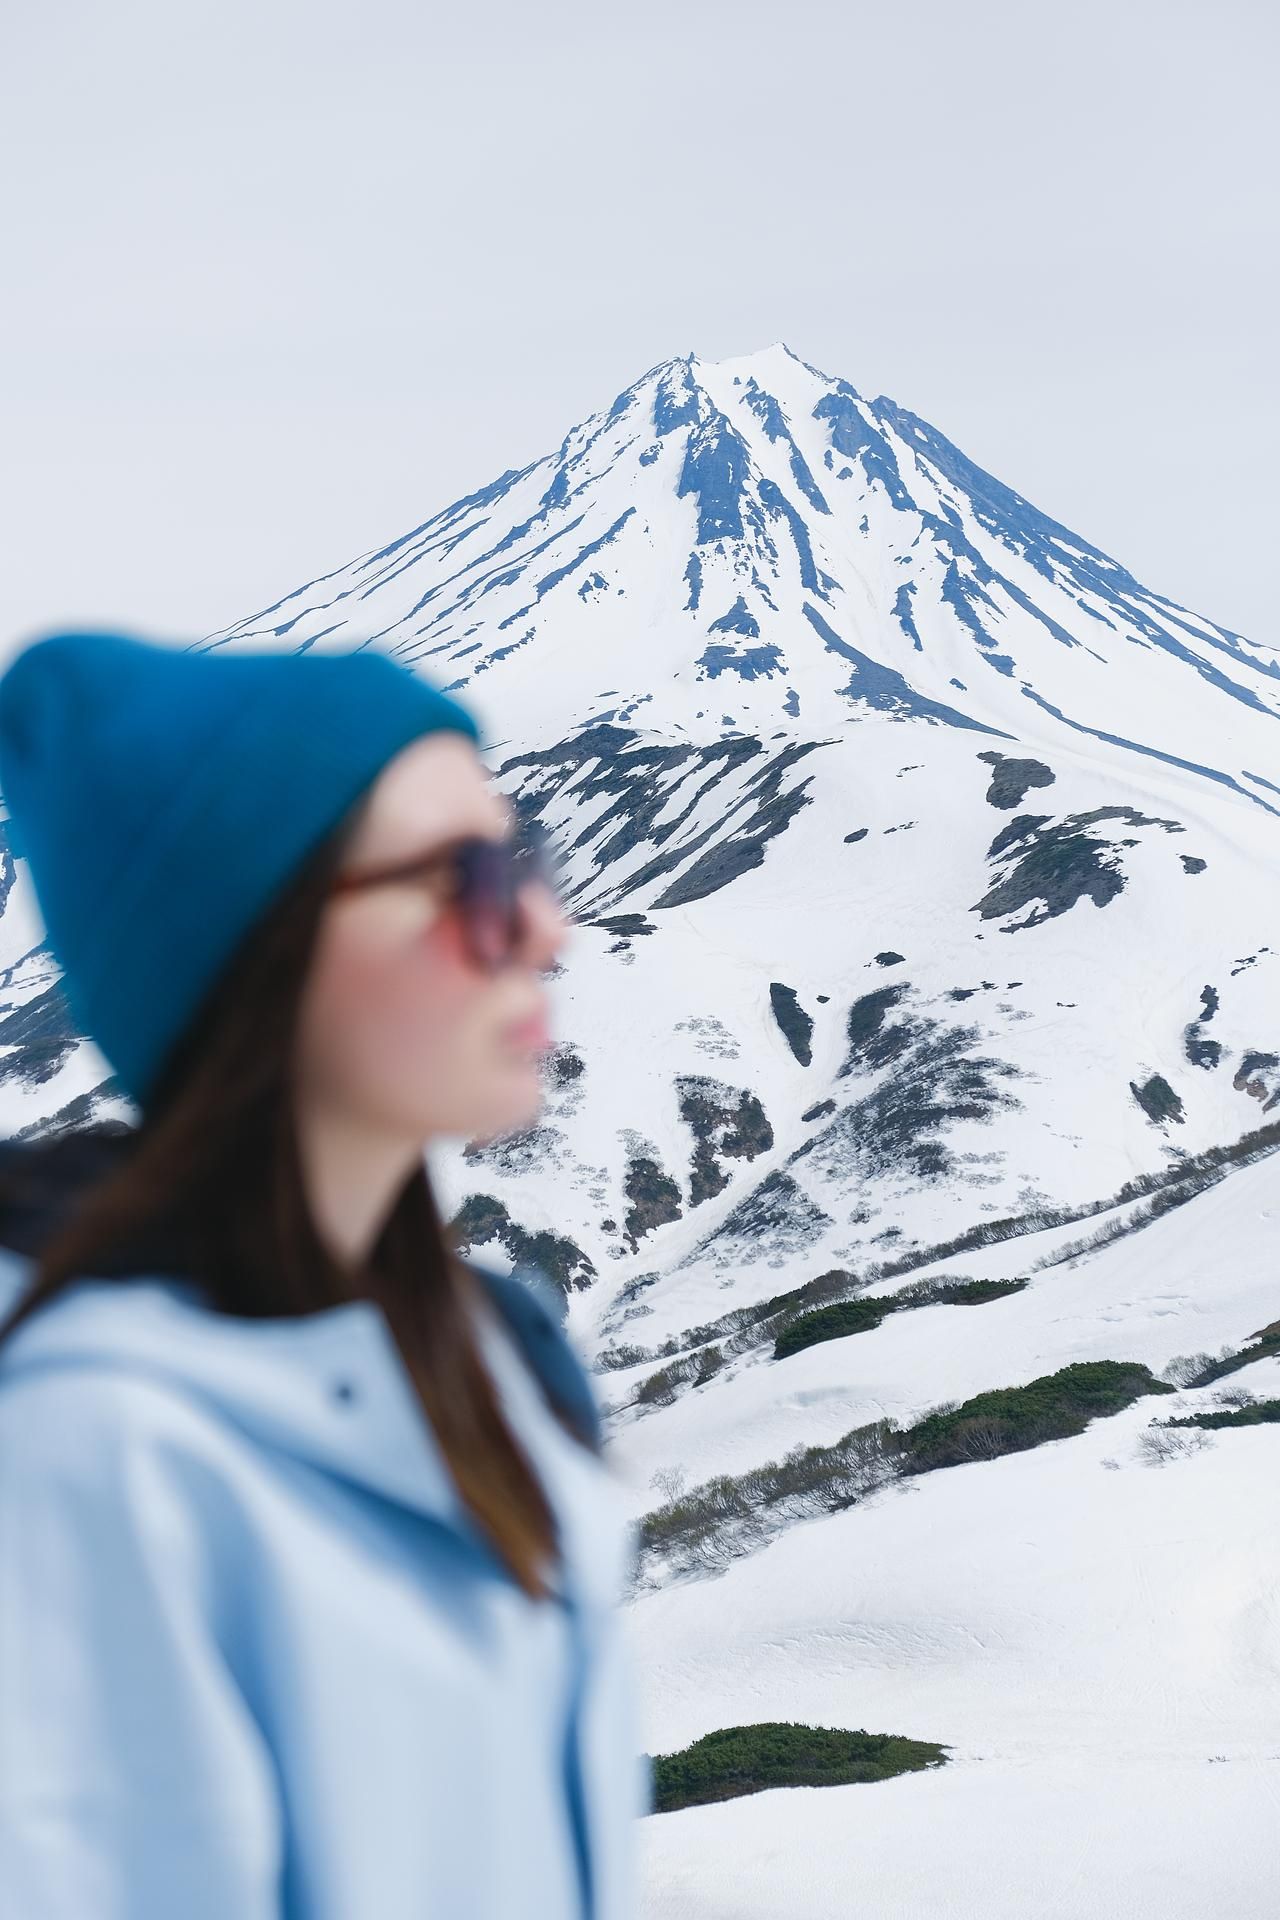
257 757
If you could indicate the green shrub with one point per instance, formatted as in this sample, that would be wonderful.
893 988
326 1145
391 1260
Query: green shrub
771 1753
1011 1419
704 1528
615 1359
707 1526
972 1293
829 1323
945 1290
1169 1187
1262 1345
659 1389
710 1360
860 1316
1157 1099
1258 1413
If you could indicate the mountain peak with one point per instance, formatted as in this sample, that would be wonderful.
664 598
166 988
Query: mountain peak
749 546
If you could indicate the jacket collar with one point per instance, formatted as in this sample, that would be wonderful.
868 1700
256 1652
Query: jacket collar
327 1388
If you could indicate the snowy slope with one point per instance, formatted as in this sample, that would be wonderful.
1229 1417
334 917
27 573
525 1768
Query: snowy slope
1097 1637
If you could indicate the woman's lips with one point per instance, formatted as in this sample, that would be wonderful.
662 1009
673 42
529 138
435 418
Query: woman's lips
532 1032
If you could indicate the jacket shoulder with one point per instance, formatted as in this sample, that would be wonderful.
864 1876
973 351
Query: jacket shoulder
78 1421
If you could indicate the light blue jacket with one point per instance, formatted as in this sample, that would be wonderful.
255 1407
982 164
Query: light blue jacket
257 1662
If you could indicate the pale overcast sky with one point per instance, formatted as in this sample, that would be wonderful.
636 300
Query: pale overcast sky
281 277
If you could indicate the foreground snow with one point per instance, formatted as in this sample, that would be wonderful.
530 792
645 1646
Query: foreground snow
993 1840
1095 1636
1097 1639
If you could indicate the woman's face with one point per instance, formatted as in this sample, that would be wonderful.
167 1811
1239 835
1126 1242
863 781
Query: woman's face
400 1031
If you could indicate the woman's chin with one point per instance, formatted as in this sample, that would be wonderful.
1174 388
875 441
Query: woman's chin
516 1103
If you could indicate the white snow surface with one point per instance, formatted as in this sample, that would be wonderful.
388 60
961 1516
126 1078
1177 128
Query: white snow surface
1097 1638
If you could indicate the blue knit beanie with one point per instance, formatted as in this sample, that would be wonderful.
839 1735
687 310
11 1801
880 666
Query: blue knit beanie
162 798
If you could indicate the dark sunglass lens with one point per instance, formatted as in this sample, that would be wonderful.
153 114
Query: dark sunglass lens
480 899
490 876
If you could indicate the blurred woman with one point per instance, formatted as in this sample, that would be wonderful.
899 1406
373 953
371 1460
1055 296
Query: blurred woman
310 1562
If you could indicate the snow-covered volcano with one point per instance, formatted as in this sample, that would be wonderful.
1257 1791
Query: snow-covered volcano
929 853
925 871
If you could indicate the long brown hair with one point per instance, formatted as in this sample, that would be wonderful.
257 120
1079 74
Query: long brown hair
209 1186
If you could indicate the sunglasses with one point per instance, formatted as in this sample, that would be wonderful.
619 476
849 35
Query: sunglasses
483 882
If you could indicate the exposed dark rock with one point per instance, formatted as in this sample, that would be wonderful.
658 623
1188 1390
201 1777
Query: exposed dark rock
1248 960
774 810
483 1217
1190 863
630 1292
939 1079
642 781
1011 780
1129 815
860 834
1251 1078
871 1044
624 923
1200 1050
815 1113
796 1024
654 1197
777 1215
890 959
1057 864
82 1111
725 1121
43 1033
521 1152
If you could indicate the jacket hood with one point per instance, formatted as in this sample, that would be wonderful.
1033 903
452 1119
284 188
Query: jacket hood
328 1387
